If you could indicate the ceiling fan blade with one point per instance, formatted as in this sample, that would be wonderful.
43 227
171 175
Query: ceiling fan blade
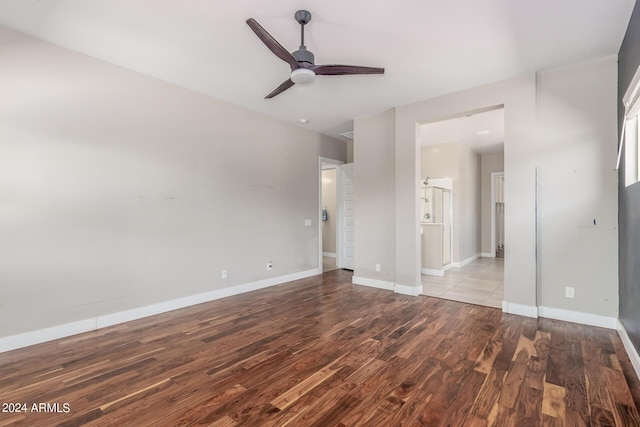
272 44
342 70
277 91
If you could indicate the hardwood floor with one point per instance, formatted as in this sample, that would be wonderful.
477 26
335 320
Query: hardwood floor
324 352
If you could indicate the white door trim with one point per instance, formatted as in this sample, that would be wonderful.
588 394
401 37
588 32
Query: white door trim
343 260
327 163
493 211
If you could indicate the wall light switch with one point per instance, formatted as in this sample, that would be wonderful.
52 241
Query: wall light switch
307 223
570 292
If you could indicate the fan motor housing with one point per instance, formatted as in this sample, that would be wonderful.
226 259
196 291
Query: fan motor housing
304 56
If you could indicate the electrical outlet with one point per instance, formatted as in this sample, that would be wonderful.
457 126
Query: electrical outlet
377 267
307 223
269 265
224 274
569 292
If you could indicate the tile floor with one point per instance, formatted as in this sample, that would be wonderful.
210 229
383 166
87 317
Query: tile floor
480 282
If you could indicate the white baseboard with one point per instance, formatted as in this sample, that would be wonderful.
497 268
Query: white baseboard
578 317
487 255
431 272
464 262
520 309
388 286
373 283
329 254
628 345
26 339
60 331
407 290
560 314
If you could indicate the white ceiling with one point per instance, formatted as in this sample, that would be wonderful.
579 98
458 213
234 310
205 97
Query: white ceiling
428 48
463 130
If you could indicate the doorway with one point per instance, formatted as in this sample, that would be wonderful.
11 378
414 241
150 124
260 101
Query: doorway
330 216
469 151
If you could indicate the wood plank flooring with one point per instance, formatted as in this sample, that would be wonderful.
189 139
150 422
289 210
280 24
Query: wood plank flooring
324 352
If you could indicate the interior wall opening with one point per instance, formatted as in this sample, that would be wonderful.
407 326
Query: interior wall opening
330 232
329 219
462 207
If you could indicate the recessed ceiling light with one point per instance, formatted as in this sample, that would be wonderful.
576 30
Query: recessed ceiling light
483 132
303 121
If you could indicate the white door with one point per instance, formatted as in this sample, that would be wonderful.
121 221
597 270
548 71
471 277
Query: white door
346 225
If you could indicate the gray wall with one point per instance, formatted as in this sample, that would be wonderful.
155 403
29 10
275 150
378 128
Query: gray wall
375 187
440 161
489 163
469 204
350 152
577 200
458 162
120 191
629 197
443 161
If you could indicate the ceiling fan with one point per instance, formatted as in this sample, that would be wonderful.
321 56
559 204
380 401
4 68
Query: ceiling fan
303 68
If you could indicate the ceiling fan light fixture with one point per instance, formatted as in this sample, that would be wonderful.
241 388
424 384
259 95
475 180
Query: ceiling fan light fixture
302 61
303 76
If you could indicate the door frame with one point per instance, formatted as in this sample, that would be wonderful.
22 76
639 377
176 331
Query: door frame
450 263
327 163
494 175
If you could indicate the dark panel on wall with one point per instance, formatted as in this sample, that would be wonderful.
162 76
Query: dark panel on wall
629 197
